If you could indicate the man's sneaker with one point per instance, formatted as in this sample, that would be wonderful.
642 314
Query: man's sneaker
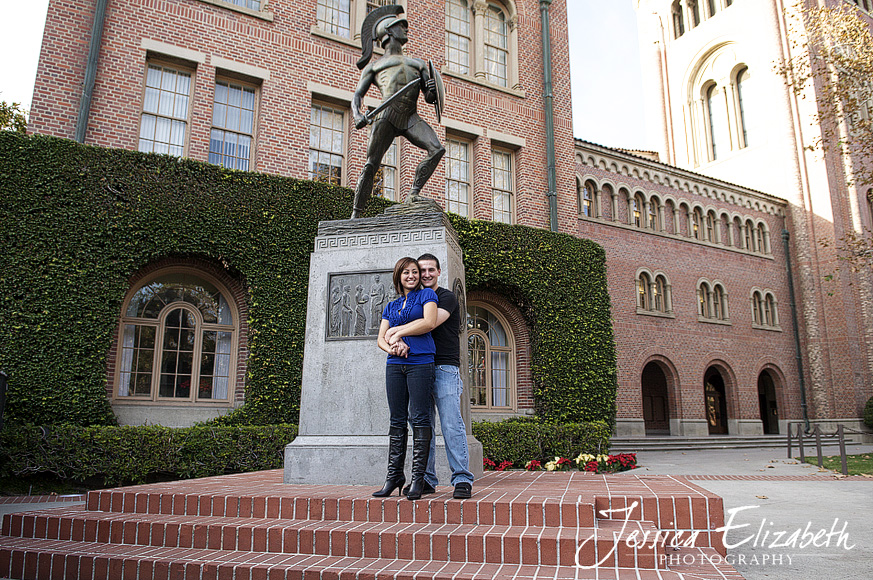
463 491
428 488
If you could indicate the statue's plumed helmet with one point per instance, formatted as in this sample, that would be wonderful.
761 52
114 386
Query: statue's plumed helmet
381 30
375 28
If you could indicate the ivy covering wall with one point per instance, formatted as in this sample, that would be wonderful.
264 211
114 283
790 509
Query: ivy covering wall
76 222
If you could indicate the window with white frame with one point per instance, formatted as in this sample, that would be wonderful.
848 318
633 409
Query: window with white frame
165 109
502 186
481 39
491 352
458 36
458 176
233 125
326 144
178 340
251 4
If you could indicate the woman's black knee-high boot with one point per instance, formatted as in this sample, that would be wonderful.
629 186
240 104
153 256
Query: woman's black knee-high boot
396 459
421 437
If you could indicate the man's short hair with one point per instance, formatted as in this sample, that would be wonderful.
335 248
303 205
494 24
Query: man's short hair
430 257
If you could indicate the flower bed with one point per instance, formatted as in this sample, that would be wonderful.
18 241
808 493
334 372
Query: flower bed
583 462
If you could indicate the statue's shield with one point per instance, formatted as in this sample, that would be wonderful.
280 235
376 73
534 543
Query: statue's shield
440 103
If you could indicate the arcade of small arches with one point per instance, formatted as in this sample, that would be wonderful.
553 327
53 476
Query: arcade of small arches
688 14
665 215
716 398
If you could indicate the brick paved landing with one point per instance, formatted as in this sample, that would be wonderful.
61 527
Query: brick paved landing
252 526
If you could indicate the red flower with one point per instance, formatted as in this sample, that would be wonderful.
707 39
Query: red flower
504 465
591 466
488 464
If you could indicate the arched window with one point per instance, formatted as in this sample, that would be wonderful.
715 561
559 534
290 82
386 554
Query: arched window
710 227
638 210
703 300
654 206
644 292
491 356
742 84
178 340
662 299
712 7
608 201
585 199
719 302
712 112
696 223
678 20
750 236
482 42
694 10
757 309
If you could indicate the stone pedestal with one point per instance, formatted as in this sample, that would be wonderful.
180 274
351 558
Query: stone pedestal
343 410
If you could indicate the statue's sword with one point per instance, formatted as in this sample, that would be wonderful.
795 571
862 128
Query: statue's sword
371 116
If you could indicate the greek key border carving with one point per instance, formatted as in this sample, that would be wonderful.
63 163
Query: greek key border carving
365 240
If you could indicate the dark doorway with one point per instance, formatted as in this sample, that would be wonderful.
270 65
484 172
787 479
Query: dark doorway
654 389
767 403
716 402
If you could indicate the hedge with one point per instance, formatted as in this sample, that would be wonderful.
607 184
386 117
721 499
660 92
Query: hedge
131 455
868 413
76 222
521 441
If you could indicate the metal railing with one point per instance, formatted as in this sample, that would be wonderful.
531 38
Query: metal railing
817 434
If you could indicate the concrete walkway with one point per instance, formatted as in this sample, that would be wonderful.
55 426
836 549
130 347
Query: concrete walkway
789 496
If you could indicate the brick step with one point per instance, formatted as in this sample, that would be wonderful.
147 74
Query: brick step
31 559
353 505
404 541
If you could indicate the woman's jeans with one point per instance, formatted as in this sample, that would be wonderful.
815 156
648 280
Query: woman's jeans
410 394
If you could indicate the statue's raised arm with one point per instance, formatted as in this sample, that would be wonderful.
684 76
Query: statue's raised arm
400 79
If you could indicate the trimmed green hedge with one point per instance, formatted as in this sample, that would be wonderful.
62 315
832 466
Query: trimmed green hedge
868 413
521 441
125 455
77 222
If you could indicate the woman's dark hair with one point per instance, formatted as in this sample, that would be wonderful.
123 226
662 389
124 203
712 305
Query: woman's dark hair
401 265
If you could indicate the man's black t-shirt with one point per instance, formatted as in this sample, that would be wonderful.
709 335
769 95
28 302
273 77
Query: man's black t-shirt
446 336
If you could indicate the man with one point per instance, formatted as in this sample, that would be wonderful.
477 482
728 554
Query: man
392 75
448 387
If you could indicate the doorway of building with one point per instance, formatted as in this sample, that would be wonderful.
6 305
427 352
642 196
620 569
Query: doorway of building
716 402
767 403
655 402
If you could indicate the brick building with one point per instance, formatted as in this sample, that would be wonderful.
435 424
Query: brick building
697 269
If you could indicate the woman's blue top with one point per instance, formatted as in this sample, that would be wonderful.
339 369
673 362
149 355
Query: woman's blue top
421 347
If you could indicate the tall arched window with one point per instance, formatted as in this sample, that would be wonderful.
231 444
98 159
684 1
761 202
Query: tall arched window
712 7
715 122
678 20
644 292
703 300
638 210
742 84
710 227
757 309
750 236
491 349
718 302
654 206
662 299
178 340
696 223
585 199
694 10
496 46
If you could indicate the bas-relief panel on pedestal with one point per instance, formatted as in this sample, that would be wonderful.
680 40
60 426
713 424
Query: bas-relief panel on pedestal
355 303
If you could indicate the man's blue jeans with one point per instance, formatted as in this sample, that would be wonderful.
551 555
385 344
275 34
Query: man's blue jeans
447 391
410 392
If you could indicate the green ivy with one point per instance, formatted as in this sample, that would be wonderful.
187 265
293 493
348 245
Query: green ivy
125 455
77 222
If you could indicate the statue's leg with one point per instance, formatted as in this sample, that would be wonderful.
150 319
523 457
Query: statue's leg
424 137
380 140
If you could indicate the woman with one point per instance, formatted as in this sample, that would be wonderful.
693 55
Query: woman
409 376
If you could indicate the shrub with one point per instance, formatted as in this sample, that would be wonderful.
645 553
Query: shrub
124 455
520 442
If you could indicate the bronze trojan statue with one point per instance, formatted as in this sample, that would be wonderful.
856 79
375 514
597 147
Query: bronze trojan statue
400 79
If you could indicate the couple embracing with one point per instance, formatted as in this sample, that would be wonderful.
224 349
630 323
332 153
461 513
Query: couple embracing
420 332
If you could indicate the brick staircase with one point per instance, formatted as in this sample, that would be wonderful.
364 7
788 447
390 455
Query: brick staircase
253 527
